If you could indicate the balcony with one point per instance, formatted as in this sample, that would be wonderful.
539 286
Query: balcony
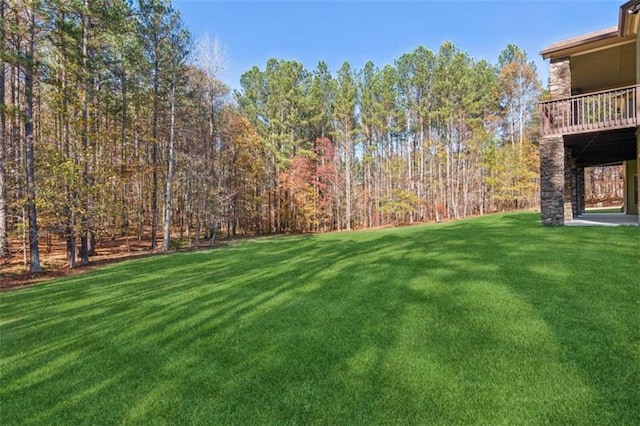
607 110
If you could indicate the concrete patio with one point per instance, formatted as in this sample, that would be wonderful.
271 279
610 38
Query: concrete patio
604 219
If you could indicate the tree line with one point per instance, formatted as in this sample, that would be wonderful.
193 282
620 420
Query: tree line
433 136
115 124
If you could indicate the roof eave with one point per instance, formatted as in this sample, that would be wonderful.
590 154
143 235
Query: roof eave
629 18
564 49
626 31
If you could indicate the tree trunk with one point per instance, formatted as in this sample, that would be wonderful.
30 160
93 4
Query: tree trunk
154 153
29 70
4 240
347 174
84 244
168 194
71 251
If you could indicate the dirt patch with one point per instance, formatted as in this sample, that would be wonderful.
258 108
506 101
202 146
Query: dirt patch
53 259
604 202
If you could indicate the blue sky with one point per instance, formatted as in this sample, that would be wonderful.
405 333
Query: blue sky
335 31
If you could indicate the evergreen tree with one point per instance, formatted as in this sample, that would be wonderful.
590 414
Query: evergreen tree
345 125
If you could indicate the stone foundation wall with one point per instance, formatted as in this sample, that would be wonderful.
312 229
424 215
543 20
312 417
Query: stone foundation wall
552 180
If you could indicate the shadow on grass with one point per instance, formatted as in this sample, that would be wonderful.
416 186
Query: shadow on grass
490 320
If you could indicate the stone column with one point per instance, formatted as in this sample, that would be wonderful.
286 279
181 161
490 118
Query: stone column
638 57
570 187
560 78
581 199
552 180
638 107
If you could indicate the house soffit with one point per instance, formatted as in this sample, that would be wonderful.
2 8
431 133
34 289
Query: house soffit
587 43
625 32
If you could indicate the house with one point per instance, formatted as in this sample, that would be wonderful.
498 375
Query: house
593 117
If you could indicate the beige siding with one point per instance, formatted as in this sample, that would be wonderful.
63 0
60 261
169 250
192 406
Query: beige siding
604 69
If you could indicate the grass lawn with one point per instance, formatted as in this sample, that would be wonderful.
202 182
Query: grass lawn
489 320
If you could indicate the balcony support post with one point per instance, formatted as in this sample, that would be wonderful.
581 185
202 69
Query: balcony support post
581 197
638 155
570 187
552 181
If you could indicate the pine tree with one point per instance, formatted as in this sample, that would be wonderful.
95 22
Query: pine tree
4 240
345 125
